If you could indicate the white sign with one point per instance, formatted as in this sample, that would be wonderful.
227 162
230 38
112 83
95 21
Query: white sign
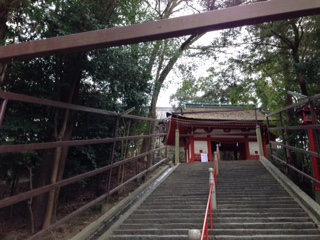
204 157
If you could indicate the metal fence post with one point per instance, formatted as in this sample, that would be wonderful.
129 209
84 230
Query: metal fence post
213 197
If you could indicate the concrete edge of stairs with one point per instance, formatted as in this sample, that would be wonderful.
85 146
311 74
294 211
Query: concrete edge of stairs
311 207
119 207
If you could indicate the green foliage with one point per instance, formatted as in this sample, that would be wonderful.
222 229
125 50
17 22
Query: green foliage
14 165
114 79
260 64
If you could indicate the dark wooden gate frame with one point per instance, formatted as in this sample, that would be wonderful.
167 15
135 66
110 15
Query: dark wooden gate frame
250 14
194 24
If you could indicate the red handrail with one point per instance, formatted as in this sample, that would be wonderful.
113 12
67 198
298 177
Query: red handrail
205 231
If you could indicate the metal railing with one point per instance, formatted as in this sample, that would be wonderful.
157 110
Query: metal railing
212 202
205 228
294 139
7 97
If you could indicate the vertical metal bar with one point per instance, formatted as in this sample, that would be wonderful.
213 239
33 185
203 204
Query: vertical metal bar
115 130
283 137
210 208
3 110
149 157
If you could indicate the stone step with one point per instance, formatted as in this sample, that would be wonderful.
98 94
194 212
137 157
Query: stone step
244 196
254 225
168 215
290 214
249 194
175 200
217 232
181 237
173 194
191 219
239 232
260 191
256 205
174 206
259 209
225 208
145 222
254 201
149 237
173 211
265 237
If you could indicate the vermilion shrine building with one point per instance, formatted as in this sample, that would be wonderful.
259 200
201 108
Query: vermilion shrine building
203 127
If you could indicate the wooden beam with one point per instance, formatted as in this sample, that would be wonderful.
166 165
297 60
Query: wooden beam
250 14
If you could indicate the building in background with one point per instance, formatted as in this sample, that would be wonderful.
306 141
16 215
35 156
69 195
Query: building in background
202 127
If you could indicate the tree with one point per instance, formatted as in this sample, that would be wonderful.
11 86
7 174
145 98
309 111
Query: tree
261 63
116 74
13 10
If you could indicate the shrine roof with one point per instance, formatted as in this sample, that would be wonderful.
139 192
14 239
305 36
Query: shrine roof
220 113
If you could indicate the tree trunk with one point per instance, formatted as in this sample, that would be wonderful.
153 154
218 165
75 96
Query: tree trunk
52 167
39 202
146 143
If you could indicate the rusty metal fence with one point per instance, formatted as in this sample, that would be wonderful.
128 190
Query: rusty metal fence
294 145
153 157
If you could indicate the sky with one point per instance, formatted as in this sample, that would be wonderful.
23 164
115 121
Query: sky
173 82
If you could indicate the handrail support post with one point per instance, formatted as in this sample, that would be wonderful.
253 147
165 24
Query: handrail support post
216 165
194 234
213 196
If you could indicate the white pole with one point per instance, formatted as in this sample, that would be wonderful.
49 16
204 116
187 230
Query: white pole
176 159
213 196
259 140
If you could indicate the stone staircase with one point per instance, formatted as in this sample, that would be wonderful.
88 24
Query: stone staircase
175 206
251 205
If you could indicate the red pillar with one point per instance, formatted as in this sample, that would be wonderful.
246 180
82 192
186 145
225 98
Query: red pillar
192 149
315 164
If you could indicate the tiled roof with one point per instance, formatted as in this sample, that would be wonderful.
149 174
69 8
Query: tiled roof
222 113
